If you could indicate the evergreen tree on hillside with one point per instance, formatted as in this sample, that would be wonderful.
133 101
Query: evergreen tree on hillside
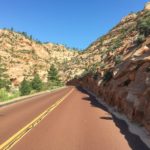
37 83
53 76
25 87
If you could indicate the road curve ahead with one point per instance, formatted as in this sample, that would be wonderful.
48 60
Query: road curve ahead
73 120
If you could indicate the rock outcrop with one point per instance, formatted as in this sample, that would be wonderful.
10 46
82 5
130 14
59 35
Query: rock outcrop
23 56
147 6
122 78
116 66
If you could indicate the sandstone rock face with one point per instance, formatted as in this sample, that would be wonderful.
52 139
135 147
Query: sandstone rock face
129 93
24 56
129 17
147 6
124 71
116 66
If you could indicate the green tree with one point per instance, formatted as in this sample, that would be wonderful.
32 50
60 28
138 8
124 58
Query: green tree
37 83
25 88
53 76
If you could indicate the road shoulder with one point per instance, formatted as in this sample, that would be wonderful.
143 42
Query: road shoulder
23 98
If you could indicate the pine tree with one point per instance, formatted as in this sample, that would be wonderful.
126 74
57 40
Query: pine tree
25 87
37 83
53 76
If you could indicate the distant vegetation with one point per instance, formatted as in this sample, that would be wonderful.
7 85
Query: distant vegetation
28 86
25 34
36 84
30 37
4 83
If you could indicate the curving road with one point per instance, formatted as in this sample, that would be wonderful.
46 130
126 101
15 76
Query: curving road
77 123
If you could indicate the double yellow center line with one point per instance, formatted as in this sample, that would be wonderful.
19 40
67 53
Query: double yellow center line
21 133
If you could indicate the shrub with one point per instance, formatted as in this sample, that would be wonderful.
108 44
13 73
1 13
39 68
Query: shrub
107 76
102 65
117 43
95 77
4 83
25 88
140 39
143 26
3 94
118 59
85 72
123 30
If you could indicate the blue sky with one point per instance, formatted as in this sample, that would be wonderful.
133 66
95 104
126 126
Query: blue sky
76 23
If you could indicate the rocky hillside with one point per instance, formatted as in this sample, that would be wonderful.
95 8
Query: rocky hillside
118 67
24 56
115 67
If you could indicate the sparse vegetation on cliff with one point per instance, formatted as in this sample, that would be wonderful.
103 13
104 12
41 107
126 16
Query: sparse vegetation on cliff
4 82
143 24
107 76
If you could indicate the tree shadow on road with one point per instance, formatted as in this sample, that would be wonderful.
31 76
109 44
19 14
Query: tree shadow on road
133 140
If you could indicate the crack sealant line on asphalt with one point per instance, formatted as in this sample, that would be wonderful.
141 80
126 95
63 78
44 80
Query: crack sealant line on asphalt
7 145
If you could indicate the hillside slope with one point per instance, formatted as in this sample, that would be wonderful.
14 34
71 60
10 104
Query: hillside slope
23 56
118 67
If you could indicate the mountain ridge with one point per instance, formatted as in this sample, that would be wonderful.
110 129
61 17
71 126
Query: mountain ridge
20 52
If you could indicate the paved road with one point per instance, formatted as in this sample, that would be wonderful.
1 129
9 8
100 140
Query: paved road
78 123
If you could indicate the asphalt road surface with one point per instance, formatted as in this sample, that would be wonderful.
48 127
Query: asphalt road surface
78 122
